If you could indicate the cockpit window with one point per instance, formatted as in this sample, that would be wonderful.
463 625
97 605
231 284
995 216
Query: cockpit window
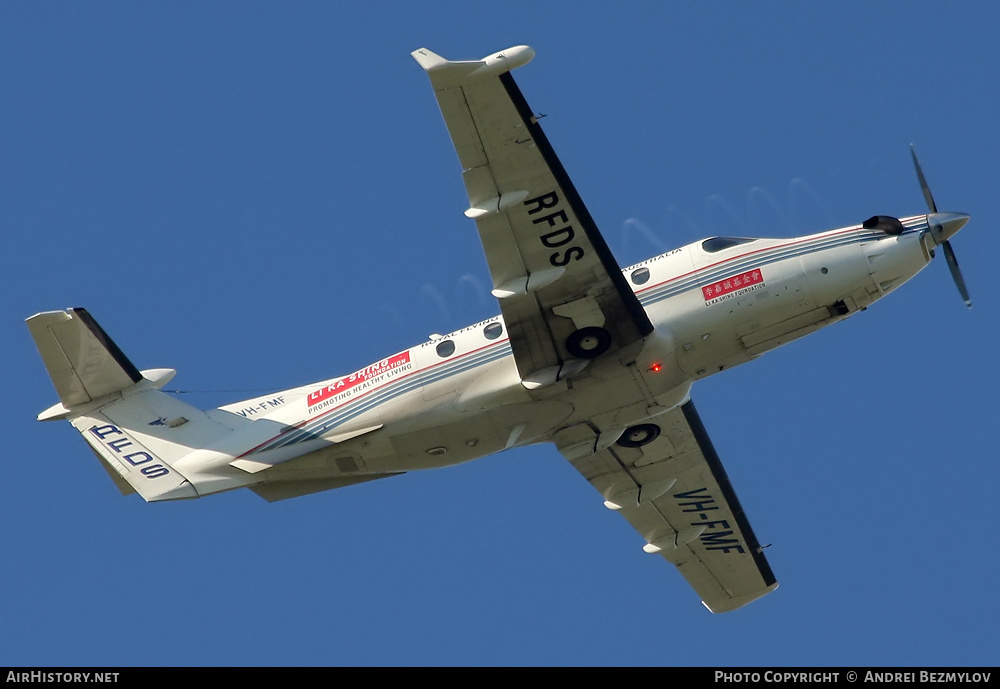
719 243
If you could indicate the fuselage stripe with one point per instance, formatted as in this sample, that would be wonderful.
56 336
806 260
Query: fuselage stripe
316 426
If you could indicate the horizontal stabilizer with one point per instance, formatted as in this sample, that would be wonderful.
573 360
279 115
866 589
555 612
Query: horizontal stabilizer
133 458
83 362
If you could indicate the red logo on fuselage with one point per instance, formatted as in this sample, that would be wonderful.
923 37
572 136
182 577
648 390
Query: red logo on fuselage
733 286
359 377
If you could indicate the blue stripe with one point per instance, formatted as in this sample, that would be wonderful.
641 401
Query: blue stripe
317 427
717 272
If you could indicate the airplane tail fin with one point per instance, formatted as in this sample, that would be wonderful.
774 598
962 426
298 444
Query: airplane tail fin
136 430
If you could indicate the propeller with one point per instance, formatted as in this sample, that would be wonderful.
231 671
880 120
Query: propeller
943 226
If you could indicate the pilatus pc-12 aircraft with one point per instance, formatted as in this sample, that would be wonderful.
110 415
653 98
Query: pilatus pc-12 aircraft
597 360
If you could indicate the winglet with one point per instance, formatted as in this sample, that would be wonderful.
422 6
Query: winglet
429 60
445 73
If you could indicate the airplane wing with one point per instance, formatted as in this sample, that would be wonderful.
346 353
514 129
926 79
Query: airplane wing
562 294
565 301
675 493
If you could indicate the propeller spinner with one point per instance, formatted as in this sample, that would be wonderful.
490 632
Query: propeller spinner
943 226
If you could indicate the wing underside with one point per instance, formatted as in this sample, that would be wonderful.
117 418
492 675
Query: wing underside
565 301
552 271
675 492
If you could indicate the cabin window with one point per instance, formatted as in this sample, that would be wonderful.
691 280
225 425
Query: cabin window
493 331
719 243
640 276
445 349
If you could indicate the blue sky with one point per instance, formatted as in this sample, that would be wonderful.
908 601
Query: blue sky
262 196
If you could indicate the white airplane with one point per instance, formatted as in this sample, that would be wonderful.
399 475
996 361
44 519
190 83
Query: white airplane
590 357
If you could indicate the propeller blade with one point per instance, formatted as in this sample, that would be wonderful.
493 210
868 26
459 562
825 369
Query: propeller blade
923 182
956 274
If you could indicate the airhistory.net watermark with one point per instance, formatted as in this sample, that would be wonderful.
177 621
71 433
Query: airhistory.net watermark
44 676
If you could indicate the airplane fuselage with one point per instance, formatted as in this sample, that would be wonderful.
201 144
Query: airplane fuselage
714 304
